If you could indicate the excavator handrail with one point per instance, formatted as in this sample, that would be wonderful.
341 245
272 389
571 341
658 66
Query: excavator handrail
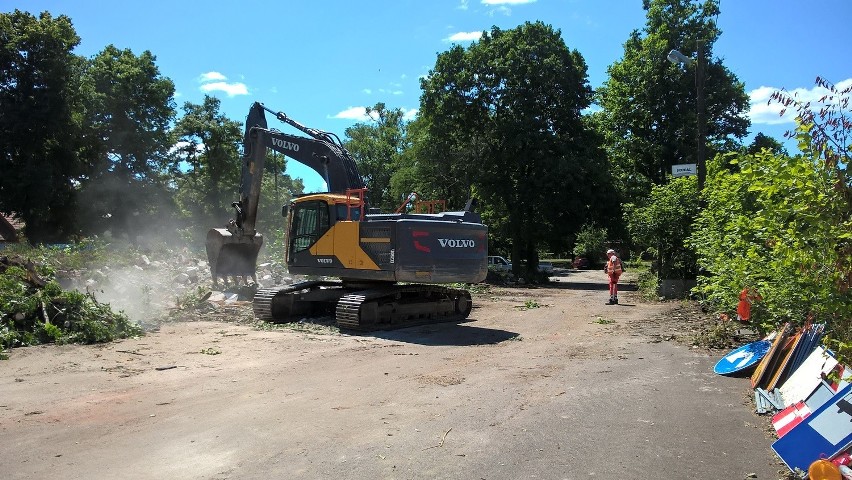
429 206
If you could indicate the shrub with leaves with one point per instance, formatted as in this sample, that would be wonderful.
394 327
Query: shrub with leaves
35 310
663 224
591 241
776 224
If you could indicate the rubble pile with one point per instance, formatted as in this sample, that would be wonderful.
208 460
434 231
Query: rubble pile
151 290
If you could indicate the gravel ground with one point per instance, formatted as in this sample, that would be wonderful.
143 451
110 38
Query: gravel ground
544 382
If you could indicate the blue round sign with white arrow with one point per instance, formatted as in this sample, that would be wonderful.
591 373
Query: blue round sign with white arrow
742 358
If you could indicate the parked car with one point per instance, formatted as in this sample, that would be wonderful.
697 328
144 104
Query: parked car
496 262
543 267
582 263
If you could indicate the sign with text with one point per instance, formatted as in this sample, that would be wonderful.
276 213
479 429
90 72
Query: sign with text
684 170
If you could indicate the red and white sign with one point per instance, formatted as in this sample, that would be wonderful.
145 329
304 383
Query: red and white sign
788 418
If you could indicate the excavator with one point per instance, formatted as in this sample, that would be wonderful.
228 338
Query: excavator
371 270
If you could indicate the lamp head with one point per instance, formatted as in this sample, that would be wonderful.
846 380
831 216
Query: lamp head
676 57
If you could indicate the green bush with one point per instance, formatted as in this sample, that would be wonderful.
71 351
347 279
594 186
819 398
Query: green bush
662 226
780 225
35 311
649 285
591 243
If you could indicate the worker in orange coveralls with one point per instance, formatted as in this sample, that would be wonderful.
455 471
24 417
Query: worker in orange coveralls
747 296
613 269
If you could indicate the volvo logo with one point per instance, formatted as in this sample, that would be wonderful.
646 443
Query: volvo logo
285 145
456 243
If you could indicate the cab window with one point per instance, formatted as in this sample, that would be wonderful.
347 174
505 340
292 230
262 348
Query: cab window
342 212
310 222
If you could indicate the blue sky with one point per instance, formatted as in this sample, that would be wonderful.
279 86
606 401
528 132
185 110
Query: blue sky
322 62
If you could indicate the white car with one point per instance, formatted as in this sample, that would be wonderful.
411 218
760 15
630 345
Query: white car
499 263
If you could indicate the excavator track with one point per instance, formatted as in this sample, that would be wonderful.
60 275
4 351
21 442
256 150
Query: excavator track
400 306
276 304
382 307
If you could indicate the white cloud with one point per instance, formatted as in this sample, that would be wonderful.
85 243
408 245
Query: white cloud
463 5
464 37
507 2
391 91
360 114
762 111
409 115
216 82
353 113
211 77
183 146
230 89
367 91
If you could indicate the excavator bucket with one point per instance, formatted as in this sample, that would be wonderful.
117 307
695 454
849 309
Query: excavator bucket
232 255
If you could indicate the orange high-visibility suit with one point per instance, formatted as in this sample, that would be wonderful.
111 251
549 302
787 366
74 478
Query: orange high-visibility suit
613 269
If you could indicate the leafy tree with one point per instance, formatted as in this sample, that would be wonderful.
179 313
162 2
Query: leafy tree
826 132
376 148
762 141
277 189
426 168
781 225
207 180
501 119
129 110
649 114
663 225
40 129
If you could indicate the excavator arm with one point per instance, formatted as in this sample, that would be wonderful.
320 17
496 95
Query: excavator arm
233 251
322 152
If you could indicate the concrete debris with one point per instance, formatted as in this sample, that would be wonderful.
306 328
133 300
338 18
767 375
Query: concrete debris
151 287
217 297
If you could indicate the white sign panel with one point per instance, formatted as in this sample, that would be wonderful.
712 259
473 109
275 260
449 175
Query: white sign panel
684 170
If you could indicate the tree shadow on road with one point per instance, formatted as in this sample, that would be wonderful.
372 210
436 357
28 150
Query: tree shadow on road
622 287
444 334
566 279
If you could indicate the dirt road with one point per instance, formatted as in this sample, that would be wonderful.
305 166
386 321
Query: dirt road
543 383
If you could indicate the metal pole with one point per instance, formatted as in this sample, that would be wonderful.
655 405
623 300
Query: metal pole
699 87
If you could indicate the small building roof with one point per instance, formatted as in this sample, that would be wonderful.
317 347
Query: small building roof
9 227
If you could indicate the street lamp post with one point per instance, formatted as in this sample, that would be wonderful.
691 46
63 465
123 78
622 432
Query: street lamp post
675 56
